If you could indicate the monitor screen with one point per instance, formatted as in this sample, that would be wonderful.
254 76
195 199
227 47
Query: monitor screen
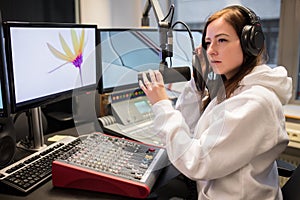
2 111
46 62
126 52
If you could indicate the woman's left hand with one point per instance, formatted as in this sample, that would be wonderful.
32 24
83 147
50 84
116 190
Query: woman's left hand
154 88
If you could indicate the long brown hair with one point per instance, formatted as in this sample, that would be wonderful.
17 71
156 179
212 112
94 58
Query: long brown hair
237 18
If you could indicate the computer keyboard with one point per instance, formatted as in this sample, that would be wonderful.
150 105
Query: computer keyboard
29 172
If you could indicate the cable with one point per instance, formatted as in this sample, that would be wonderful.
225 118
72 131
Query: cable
188 30
171 63
171 11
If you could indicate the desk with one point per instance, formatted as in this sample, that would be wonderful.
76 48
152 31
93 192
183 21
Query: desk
174 187
48 192
292 112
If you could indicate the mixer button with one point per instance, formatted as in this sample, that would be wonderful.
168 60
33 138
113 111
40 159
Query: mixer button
138 175
144 166
151 150
149 157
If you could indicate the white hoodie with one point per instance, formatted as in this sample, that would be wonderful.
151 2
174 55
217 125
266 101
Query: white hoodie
230 150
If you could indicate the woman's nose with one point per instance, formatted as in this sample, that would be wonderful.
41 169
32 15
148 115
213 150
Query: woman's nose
211 49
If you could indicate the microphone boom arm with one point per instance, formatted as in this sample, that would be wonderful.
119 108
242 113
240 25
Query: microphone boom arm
164 26
157 12
177 74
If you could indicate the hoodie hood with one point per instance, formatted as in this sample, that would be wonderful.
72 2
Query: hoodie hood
275 79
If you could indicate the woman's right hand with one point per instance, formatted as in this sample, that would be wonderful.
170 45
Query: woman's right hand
154 88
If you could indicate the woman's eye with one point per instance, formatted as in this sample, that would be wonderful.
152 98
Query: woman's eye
222 40
207 44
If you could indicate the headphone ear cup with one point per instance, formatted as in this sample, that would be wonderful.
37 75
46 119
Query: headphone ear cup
245 39
252 39
257 39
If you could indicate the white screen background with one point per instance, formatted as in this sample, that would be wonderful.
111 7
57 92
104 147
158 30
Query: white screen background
32 61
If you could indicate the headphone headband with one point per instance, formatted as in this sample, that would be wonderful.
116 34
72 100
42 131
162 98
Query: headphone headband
254 19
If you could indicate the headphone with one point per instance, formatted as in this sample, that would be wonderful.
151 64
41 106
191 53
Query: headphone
252 37
252 41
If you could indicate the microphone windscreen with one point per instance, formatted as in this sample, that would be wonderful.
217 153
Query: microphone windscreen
176 74
171 75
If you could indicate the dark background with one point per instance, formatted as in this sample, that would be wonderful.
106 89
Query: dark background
38 10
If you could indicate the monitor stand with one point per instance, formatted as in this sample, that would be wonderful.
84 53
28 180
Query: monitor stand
35 140
36 128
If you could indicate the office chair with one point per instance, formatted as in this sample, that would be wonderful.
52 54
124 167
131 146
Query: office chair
290 190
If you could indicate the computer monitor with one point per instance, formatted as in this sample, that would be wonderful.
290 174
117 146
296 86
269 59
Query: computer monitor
7 133
126 52
47 62
3 84
3 95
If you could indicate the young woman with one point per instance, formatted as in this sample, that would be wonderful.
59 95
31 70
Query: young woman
228 141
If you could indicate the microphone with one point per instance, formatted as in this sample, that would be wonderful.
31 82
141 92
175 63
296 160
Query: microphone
166 43
170 43
171 75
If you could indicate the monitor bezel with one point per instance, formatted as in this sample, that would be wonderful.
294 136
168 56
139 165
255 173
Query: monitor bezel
133 86
51 98
4 112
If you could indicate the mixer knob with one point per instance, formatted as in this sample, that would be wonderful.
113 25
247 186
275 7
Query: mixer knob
138 175
144 165
151 150
149 157
130 166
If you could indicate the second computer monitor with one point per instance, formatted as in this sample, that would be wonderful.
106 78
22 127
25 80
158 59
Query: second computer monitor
126 52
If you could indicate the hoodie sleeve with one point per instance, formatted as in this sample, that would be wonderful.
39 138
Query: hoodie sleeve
188 103
227 136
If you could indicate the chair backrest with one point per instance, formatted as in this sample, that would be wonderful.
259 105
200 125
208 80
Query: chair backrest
290 189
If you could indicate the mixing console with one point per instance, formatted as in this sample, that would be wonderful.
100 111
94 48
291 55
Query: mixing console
110 164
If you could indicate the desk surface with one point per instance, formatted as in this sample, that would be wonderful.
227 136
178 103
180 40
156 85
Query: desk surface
48 192
174 187
292 111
